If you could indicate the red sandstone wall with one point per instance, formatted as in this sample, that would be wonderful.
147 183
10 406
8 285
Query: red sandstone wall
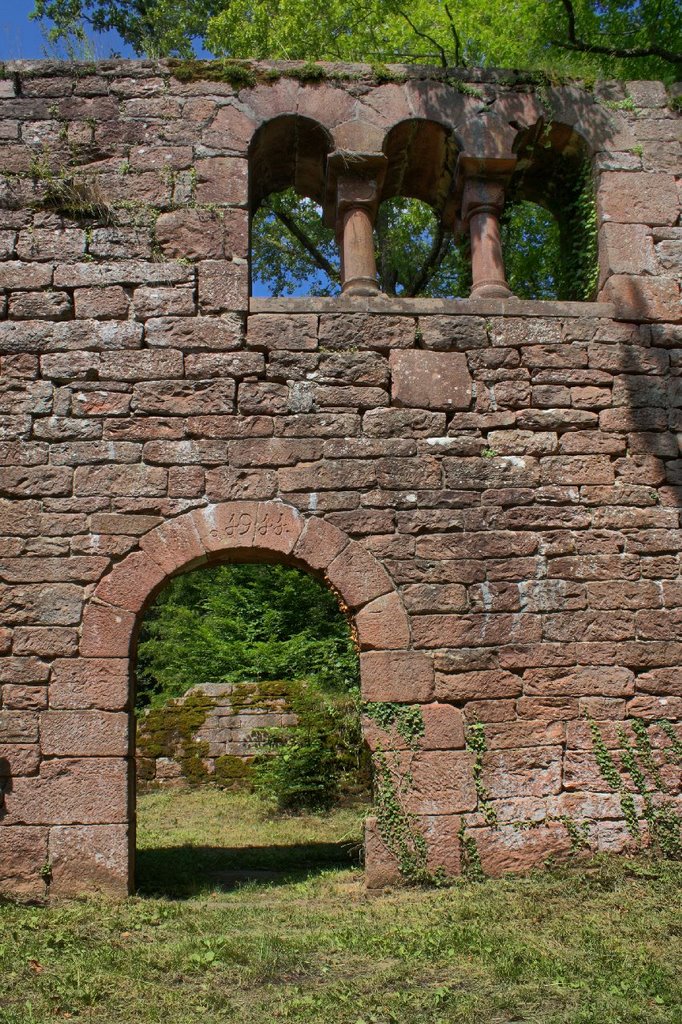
493 487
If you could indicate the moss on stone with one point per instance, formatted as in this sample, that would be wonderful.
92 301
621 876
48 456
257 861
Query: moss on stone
170 731
237 73
232 772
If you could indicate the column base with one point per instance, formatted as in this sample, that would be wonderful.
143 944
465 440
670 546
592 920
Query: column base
360 286
491 290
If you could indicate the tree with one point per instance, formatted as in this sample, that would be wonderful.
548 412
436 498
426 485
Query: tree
243 623
292 251
609 38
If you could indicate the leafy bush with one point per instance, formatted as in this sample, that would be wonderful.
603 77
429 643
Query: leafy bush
309 765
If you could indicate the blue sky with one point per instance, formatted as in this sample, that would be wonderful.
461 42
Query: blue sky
22 38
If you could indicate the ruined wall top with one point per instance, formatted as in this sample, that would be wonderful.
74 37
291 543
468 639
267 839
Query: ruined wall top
172 135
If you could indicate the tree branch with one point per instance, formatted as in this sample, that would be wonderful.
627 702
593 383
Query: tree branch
425 35
300 235
455 36
580 45
430 264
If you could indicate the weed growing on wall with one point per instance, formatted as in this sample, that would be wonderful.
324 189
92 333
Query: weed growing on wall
663 822
477 744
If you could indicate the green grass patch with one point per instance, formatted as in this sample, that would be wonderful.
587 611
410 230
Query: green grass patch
596 943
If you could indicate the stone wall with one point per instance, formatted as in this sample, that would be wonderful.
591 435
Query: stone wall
491 486
221 745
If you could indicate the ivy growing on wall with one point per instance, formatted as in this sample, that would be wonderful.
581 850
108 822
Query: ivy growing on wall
663 822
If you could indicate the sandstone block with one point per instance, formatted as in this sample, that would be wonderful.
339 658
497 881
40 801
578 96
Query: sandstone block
17 759
474 686
71 791
23 852
430 380
223 286
442 782
506 850
276 331
319 544
641 298
403 676
87 683
357 576
107 632
523 771
89 859
472 630
222 180
84 733
382 624
638 198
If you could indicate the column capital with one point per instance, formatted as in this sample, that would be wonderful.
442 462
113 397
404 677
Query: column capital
354 181
480 184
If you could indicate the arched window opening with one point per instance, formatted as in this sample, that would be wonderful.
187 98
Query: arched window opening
532 251
248 711
292 252
554 171
416 254
416 250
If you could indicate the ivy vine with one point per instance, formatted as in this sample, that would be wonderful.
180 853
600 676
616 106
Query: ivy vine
398 827
477 744
663 821
406 719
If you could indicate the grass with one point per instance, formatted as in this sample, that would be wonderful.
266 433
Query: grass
581 945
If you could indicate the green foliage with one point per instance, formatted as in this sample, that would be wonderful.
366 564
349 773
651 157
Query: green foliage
476 742
663 821
239 623
406 719
305 766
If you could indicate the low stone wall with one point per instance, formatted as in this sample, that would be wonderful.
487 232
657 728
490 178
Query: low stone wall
209 735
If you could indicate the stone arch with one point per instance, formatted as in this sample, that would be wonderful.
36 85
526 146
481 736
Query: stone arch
421 155
288 151
554 164
242 531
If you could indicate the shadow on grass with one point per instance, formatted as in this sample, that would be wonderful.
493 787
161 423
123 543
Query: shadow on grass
184 871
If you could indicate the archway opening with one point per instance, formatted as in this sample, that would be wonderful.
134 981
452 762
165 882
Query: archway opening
250 760
292 251
558 247
417 254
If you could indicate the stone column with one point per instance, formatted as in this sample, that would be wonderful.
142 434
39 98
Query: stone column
353 190
480 182
482 205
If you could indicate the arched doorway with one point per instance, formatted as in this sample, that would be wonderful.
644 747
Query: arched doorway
246 531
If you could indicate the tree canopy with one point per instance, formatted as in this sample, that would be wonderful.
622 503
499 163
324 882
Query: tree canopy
607 38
